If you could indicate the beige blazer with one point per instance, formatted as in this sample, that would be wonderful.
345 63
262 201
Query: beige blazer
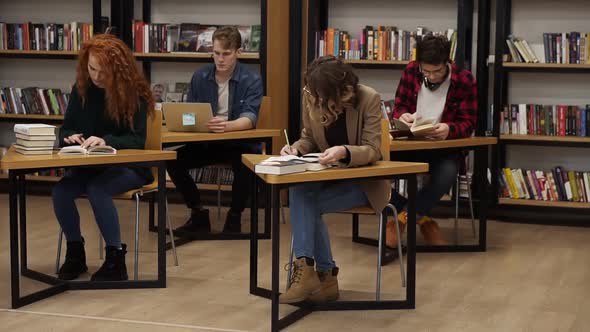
363 125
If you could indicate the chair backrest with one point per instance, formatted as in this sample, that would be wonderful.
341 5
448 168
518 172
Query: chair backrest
385 139
153 136
263 121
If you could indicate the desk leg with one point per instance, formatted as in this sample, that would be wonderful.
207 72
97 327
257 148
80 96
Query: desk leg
162 224
482 153
267 198
275 237
14 263
411 253
267 210
254 234
22 205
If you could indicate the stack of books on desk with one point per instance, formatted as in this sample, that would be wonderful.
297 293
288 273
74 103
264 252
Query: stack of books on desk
35 138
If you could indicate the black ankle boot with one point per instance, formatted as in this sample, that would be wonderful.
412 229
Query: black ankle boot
75 263
113 268
197 223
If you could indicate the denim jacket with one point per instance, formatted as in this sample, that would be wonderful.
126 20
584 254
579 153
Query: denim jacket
245 91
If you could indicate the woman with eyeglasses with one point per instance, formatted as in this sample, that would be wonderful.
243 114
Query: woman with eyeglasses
342 120
433 89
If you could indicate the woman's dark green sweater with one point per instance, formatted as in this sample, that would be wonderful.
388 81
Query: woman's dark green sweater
91 119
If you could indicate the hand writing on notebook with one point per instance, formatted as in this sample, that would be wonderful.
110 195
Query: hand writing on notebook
287 150
332 155
76 138
217 125
93 141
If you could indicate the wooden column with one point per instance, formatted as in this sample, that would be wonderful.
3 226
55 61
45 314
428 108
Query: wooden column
277 65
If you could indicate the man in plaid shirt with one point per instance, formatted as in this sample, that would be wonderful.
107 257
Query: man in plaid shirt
433 90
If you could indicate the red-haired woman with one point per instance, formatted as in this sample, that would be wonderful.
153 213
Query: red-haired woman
109 105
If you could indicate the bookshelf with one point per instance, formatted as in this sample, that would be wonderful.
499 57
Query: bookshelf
547 83
309 17
48 69
192 57
534 203
31 117
20 54
150 12
545 140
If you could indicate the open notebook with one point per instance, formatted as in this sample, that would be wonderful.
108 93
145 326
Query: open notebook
290 164
79 150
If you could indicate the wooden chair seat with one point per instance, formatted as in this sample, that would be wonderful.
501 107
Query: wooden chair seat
365 210
148 188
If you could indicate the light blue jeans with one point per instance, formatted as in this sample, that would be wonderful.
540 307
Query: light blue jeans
307 203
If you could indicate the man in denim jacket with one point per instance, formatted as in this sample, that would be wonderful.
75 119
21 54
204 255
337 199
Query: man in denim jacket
234 92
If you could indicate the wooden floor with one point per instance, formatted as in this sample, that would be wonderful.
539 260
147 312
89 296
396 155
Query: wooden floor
532 278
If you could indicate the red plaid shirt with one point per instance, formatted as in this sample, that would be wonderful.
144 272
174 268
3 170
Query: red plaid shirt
460 112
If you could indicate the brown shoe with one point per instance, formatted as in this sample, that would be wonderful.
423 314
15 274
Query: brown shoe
304 283
390 233
431 232
328 286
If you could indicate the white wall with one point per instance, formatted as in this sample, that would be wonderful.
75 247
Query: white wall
246 12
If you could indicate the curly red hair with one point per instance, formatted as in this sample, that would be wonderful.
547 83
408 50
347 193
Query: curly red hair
124 84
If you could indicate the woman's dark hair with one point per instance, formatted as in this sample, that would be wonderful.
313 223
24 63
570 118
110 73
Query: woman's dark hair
434 50
329 79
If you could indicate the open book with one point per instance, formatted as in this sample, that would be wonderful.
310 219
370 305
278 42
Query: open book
418 127
79 150
290 164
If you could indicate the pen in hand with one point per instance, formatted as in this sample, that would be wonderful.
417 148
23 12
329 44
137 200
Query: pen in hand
287 149
287 139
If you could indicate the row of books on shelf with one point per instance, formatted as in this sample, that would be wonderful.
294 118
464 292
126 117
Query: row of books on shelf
187 37
211 174
33 100
44 36
558 47
554 185
380 43
550 120
401 186
566 47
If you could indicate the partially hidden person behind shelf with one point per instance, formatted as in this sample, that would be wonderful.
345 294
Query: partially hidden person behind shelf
433 87
235 93
109 105
341 119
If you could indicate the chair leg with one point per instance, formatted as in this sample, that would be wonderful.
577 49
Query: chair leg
456 194
58 256
171 235
471 205
382 221
282 210
136 267
399 244
290 269
219 195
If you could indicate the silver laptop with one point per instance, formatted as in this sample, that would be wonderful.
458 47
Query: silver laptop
187 117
